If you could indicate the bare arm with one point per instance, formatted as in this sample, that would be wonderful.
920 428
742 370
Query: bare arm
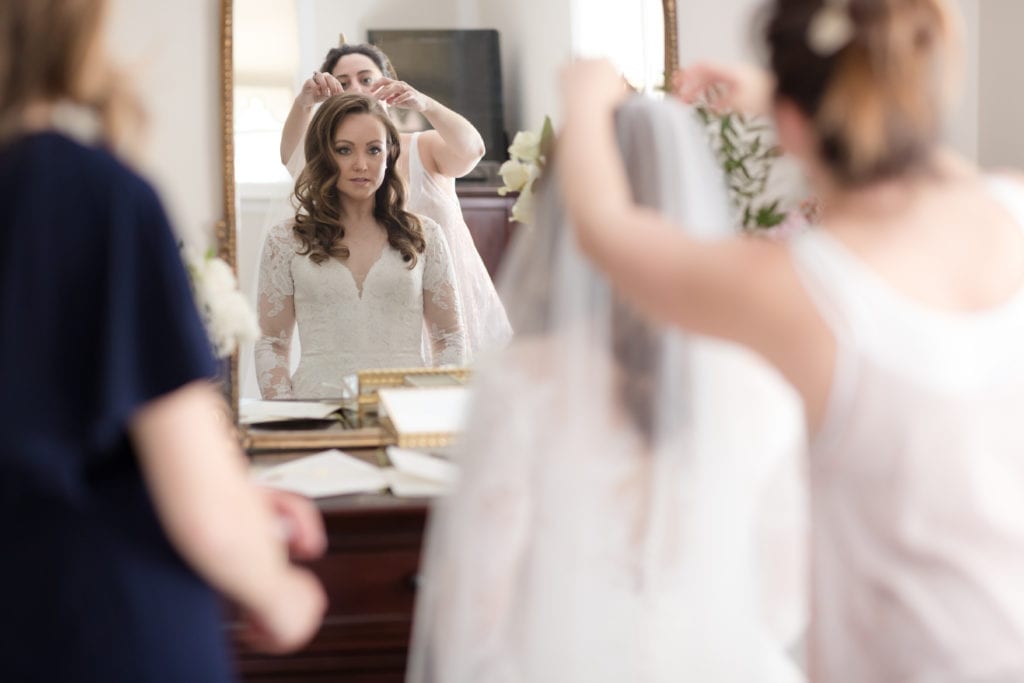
741 289
316 89
217 520
454 147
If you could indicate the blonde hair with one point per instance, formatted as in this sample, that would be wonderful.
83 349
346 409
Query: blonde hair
879 102
48 53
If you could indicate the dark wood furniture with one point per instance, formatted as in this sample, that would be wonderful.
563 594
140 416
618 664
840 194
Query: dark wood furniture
371 567
487 215
370 573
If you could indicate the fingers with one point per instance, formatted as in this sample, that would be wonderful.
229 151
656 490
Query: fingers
320 86
290 618
703 84
397 93
303 523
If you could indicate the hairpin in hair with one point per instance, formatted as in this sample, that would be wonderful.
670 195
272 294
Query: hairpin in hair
341 40
831 28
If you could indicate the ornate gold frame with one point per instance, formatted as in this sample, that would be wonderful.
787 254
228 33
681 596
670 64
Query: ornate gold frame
226 228
226 234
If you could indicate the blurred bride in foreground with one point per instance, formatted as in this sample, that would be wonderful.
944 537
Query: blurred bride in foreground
629 507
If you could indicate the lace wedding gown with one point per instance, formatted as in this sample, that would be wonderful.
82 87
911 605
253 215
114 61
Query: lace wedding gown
487 325
345 326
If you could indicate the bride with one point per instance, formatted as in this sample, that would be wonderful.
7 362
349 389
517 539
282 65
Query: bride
358 273
629 505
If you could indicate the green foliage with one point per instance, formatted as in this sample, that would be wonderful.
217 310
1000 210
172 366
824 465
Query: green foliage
739 143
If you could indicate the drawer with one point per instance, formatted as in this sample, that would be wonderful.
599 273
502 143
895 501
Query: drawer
369 583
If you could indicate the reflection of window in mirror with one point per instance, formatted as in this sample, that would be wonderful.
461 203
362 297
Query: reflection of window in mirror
264 85
633 40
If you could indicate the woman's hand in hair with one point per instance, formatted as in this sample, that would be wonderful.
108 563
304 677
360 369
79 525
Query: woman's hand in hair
318 88
399 94
744 88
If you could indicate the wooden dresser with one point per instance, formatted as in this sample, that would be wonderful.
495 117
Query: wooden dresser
370 572
487 215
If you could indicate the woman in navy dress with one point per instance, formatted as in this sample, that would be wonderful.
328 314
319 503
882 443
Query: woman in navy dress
124 503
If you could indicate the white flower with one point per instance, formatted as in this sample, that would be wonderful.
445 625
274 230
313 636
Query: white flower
229 318
522 210
831 28
525 146
515 175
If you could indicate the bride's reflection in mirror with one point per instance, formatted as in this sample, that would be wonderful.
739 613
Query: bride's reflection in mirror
430 162
360 275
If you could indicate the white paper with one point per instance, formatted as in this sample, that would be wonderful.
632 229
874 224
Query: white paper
441 410
267 411
405 485
329 473
423 465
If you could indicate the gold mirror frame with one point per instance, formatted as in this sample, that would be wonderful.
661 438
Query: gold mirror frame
226 228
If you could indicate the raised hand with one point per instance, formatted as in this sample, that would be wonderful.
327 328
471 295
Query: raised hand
318 88
725 87
399 94
593 83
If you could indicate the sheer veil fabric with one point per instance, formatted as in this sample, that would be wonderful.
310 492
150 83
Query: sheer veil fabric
630 506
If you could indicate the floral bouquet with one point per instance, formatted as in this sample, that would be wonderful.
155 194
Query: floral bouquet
229 318
528 156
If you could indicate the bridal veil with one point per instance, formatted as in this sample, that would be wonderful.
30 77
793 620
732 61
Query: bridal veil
630 504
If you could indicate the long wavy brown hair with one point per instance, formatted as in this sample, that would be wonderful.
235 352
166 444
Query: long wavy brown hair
318 219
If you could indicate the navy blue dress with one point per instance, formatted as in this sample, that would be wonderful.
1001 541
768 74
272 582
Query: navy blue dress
97 319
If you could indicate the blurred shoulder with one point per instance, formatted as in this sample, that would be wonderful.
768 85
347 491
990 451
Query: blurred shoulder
91 165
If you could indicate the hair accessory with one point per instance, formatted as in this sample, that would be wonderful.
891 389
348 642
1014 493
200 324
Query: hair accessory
341 40
831 28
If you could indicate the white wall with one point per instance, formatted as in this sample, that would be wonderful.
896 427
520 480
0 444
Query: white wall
1001 108
325 19
172 49
536 39
724 30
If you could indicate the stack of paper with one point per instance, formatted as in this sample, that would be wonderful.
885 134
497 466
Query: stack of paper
330 473
424 418
416 474
268 411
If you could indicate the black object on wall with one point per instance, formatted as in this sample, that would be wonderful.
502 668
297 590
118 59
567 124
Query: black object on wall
461 69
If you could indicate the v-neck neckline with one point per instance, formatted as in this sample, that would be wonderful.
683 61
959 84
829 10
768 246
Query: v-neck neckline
360 285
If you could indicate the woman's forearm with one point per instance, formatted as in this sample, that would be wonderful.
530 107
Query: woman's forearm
462 145
212 514
294 128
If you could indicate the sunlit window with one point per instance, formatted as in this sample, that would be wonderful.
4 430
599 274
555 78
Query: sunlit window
264 86
260 112
630 34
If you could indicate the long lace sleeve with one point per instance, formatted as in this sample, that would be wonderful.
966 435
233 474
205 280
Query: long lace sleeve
442 306
276 309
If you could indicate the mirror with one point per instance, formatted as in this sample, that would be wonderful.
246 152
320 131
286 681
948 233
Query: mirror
269 47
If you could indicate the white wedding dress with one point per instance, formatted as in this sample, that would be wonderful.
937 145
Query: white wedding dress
345 327
629 506
487 325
